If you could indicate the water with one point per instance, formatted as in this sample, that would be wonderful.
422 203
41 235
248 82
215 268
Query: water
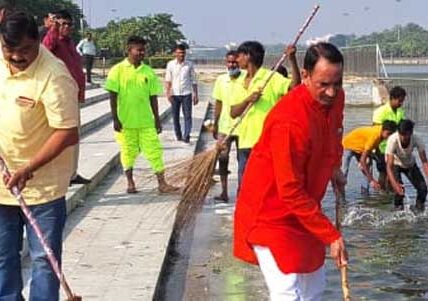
388 250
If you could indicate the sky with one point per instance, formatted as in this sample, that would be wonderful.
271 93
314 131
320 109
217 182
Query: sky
219 22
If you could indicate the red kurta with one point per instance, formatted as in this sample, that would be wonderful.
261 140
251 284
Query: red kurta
279 204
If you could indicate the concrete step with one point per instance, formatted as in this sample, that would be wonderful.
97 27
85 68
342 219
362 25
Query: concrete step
90 86
94 116
93 96
99 153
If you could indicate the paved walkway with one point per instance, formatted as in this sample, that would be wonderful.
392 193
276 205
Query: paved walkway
115 242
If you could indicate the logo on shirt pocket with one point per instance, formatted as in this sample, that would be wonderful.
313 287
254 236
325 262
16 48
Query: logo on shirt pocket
26 102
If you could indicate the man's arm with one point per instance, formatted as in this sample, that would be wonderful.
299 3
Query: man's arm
155 110
195 95
365 169
113 106
168 83
217 113
295 71
57 142
398 188
290 172
50 41
79 47
238 109
423 156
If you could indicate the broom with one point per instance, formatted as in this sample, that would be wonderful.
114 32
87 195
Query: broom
198 172
344 269
33 222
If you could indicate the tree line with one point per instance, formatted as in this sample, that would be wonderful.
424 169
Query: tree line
161 32
410 40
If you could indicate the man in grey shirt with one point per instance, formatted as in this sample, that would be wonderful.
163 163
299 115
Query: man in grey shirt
400 160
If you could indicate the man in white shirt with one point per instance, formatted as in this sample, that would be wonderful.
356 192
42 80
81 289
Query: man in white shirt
88 50
182 91
399 159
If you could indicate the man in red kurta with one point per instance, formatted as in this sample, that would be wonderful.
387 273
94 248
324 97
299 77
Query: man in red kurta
279 223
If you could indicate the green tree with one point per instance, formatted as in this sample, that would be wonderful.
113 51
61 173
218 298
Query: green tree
159 30
409 40
39 8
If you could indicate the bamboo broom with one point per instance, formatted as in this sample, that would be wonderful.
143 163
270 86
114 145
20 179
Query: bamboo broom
35 225
344 269
197 172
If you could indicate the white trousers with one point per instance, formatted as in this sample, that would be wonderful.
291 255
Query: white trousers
289 287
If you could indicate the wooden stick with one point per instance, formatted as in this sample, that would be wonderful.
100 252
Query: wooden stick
275 68
344 269
35 225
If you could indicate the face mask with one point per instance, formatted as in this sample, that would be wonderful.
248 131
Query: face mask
234 72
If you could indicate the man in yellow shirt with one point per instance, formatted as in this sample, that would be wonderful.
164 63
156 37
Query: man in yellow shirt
250 58
224 91
38 123
361 142
393 111
133 88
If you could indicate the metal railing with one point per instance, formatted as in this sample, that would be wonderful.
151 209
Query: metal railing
365 61
416 103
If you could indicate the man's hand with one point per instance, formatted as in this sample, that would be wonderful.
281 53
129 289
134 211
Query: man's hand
398 188
375 184
195 99
169 97
18 179
425 169
255 96
158 126
338 252
290 51
81 96
215 131
117 125
338 179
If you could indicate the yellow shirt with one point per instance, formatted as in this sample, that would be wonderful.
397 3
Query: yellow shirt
251 127
134 86
225 89
384 113
362 139
25 128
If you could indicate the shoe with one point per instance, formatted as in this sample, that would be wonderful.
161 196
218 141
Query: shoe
78 179
420 206
399 207
186 140
221 199
179 139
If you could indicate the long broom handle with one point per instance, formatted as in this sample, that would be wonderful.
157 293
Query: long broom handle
33 222
344 269
275 68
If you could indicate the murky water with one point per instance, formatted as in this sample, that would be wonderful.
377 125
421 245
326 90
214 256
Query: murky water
388 250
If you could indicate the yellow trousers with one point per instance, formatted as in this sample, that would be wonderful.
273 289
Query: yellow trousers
132 142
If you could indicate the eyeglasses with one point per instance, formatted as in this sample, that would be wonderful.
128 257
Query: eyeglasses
70 24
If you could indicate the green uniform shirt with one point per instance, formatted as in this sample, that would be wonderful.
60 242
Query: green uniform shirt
252 125
384 113
134 86
225 90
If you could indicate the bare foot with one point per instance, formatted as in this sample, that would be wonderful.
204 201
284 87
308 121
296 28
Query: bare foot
131 189
166 188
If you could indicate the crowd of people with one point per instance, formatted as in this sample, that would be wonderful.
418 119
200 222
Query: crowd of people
289 146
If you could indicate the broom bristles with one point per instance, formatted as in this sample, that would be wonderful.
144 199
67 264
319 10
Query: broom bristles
196 176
